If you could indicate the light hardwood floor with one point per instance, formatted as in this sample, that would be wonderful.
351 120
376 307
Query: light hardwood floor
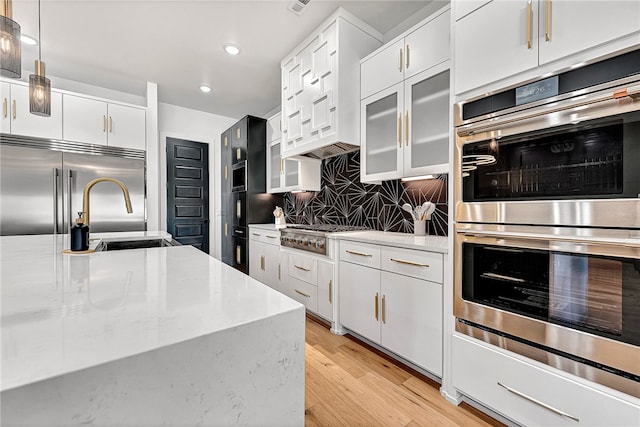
351 384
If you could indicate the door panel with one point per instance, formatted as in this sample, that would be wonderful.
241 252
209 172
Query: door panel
188 192
28 187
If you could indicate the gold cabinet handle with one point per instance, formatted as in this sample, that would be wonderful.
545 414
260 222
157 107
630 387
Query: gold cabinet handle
529 25
384 320
262 262
226 229
226 172
547 33
300 268
400 64
302 293
225 141
400 130
4 108
416 264
238 254
104 123
279 272
358 253
239 209
330 291
406 58
539 403
238 153
406 128
238 133
271 237
110 125
13 109
256 234
281 166
375 302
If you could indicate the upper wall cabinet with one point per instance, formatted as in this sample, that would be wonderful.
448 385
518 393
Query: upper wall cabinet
17 120
404 112
300 174
501 38
320 86
99 122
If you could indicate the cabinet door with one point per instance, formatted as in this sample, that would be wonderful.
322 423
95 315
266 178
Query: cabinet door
360 300
428 45
384 69
256 260
411 314
291 174
274 169
84 120
427 120
568 27
25 123
381 133
270 265
127 127
240 254
492 43
5 120
325 289
239 141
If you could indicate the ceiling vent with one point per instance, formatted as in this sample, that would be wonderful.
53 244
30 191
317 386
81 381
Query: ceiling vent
297 6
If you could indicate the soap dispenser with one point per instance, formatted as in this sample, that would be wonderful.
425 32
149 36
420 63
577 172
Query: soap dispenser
80 234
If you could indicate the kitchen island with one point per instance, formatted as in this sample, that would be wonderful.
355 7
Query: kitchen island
158 336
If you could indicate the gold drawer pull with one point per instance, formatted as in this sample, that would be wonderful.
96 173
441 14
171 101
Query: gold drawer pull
358 253
406 56
330 291
301 268
417 264
13 110
539 403
547 33
400 66
256 234
262 262
529 25
271 237
302 293
4 108
383 310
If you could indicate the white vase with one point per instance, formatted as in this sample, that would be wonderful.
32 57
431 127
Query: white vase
420 228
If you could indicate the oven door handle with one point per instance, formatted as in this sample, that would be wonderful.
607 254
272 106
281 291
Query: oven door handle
530 237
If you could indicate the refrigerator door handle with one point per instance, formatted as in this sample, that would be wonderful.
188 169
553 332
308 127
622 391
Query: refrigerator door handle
56 193
69 192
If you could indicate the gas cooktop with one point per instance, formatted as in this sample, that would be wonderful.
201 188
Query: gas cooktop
312 237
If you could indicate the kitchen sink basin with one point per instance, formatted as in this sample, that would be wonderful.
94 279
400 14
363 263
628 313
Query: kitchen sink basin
118 245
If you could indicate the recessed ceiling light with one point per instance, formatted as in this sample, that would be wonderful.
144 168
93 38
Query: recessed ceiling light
231 49
205 89
28 40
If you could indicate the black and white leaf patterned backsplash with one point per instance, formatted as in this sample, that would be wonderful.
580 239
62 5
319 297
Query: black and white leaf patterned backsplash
344 200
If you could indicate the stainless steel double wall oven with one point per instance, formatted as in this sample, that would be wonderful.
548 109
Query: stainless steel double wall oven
547 199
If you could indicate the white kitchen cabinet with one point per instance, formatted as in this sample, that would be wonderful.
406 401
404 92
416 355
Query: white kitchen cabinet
320 85
504 37
264 256
419 48
518 390
384 298
325 290
98 122
17 120
405 128
300 174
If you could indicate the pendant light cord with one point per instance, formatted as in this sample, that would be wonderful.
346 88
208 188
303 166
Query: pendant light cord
39 35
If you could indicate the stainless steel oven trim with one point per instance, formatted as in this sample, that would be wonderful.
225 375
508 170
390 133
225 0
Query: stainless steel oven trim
602 350
565 364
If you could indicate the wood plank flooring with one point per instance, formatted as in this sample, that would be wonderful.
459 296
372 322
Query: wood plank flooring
350 384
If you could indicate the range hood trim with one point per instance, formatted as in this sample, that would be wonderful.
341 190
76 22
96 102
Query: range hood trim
325 152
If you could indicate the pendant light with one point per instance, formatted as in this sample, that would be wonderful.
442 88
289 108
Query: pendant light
10 50
39 85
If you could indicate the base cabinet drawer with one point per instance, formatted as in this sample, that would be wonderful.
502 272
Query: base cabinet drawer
302 292
530 395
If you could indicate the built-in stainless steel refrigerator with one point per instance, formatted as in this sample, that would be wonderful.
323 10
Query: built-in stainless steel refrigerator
42 184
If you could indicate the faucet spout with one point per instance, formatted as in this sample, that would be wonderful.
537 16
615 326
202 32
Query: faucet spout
89 186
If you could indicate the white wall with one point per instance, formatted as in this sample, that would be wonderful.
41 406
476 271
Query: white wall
184 123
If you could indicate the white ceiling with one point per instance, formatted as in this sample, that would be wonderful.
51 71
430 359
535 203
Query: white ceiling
177 44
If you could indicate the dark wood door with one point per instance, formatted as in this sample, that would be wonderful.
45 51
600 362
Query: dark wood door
188 192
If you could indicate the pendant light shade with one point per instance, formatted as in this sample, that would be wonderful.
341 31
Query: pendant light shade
39 85
39 92
10 50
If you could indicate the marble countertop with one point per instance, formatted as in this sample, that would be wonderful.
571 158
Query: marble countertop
269 227
401 240
63 313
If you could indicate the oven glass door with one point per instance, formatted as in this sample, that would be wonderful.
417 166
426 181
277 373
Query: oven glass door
591 159
591 293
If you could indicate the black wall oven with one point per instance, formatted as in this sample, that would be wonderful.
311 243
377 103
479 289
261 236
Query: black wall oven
547 199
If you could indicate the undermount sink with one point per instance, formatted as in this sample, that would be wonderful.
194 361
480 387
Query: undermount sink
118 245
